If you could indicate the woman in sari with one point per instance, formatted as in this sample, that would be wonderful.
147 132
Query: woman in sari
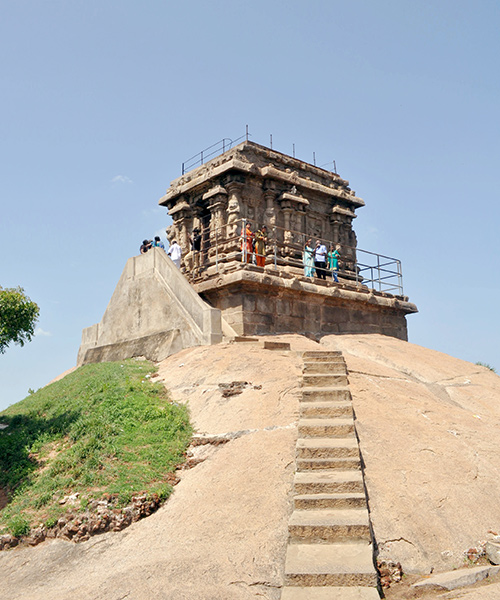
260 246
308 259
247 244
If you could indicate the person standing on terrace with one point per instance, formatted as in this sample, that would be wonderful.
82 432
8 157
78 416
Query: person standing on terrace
308 258
247 243
175 253
320 260
333 261
260 246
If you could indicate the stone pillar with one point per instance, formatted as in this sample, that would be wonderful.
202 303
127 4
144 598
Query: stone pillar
287 212
233 212
270 194
217 204
182 216
335 231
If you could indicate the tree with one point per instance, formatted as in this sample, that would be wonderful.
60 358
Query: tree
18 317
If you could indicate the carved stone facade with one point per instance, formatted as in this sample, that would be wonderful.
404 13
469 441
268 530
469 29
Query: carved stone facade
296 201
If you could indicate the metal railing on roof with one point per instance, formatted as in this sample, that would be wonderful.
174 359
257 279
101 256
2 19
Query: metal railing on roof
214 150
224 144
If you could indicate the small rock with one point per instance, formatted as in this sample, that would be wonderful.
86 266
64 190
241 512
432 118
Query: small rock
492 550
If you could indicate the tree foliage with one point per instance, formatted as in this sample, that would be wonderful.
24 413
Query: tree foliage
18 317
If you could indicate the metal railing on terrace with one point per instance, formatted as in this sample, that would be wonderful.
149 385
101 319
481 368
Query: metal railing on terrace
285 247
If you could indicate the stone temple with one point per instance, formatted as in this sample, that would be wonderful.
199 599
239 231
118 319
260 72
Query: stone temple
220 291
296 201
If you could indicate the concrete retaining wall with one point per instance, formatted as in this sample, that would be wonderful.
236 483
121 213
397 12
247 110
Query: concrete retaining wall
154 312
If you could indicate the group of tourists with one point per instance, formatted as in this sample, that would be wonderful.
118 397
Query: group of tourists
174 250
318 260
253 245
148 244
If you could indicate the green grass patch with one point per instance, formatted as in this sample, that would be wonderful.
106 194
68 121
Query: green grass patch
103 429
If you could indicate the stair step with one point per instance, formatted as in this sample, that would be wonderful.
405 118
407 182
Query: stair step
327 482
324 367
338 427
317 464
330 593
329 525
317 394
339 500
326 409
330 565
320 354
324 359
327 447
324 380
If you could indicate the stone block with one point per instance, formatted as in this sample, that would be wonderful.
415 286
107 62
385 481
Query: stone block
268 345
283 307
265 304
333 314
249 303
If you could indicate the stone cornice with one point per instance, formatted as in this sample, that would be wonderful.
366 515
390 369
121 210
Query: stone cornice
294 179
233 164
283 280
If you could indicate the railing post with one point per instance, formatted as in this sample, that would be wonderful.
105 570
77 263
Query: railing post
244 242
201 156
216 252
183 168
378 271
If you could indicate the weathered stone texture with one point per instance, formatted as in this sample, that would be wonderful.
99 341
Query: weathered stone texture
296 201
261 303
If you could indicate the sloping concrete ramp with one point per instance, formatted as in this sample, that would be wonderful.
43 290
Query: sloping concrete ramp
154 312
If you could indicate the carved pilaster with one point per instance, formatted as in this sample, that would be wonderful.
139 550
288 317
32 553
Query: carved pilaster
270 194
182 215
217 199
233 209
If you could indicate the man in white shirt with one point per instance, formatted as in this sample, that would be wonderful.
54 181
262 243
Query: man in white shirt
320 260
175 253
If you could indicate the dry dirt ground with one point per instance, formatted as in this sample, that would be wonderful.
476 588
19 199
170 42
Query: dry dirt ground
428 429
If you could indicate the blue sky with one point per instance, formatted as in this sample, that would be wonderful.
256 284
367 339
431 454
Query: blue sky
101 102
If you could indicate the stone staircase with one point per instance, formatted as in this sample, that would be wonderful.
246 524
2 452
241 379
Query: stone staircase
329 554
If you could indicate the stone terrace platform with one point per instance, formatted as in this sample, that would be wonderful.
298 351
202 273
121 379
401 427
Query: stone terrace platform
256 300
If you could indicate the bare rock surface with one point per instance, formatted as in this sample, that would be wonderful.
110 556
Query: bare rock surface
428 429
428 426
451 580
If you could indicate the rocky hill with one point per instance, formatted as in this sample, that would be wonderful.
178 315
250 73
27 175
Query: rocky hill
428 429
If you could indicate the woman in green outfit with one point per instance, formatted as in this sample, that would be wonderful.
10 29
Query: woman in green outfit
333 261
